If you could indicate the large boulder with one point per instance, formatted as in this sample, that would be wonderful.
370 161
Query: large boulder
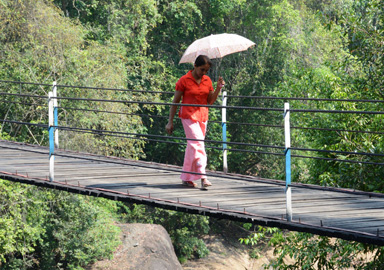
144 247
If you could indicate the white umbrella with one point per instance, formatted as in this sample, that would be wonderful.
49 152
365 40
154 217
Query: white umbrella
216 46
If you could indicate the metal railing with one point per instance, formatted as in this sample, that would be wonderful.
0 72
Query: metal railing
53 126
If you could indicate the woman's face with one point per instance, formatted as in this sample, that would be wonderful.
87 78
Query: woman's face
202 70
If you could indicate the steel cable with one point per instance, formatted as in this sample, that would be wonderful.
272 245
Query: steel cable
228 123
115 89
22 95
24 123
112 133
339 160
308 99
30 83
229 96
337 152
181 143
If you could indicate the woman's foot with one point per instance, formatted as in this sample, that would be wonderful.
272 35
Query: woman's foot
205 183
189 183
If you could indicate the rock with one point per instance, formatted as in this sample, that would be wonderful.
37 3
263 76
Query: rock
144 247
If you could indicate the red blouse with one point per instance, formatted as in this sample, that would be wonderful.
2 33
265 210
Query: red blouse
194 93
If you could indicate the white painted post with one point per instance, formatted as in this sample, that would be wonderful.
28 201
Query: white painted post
287 132
55 113
224 129
51 136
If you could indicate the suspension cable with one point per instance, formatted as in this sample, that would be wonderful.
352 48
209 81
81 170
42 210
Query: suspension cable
114 89
111 133
229 96
25 123
22 95
307 99
337 152
157 138
220 122
31 83
336 111
340 160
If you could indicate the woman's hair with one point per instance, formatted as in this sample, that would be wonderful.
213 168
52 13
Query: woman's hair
201 60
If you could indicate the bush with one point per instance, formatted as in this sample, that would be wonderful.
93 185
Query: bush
48 229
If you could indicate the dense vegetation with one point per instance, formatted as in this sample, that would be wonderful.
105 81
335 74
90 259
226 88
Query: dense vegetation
305 48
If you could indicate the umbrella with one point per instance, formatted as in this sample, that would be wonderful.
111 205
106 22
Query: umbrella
216 46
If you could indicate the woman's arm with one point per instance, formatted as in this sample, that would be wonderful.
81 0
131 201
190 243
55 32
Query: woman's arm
212 96
172 112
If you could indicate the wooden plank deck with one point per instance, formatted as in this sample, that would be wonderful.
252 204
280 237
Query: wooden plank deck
346 214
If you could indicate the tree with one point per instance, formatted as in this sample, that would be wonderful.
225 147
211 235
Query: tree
35 224
41 46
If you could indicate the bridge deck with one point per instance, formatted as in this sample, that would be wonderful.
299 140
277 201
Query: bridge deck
346 214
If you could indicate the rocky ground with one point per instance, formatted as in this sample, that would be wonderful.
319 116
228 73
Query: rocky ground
226 253
148 247
144 247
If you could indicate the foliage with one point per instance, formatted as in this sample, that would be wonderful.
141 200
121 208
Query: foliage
35 225
39 45
319 252
363 24
21 223
339 75
304 48
178 26
257 237
125 22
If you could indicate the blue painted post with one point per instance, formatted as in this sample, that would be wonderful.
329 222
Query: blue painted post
56 130
224 129
51 137
287 132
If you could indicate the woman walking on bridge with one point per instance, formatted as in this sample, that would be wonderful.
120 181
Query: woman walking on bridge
195 87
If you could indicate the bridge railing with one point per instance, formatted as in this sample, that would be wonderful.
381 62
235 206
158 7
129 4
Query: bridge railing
307 122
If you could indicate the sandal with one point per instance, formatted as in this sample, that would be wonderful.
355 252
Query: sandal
189 184
205 183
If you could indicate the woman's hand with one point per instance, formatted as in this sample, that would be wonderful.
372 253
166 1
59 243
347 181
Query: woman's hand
220 83
212 96
172 112
169 128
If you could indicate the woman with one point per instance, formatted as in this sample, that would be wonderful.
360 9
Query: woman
195 87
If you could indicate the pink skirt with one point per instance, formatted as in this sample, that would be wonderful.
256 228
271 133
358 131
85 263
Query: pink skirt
195 158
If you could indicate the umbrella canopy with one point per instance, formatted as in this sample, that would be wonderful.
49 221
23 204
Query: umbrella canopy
216 46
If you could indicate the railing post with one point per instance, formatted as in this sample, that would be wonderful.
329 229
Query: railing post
287 132
51 136
224 128
56 130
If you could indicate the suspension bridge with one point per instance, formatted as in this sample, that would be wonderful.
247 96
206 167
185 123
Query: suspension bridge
335 212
